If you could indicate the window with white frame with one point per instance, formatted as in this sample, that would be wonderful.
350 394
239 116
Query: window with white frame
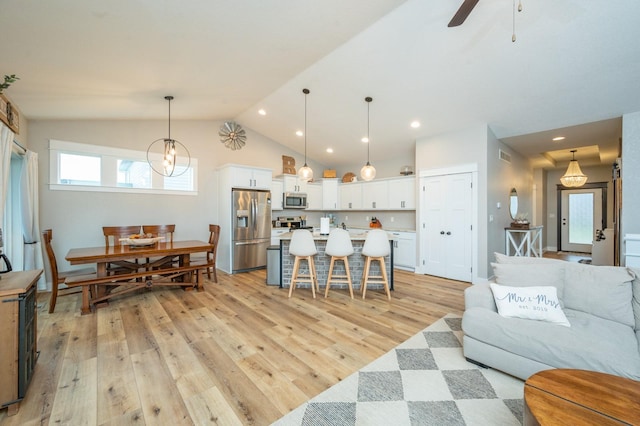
82 167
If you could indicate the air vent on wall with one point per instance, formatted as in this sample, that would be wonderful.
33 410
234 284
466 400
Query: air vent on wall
504 156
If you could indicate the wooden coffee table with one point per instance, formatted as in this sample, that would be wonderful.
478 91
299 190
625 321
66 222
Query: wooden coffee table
580 397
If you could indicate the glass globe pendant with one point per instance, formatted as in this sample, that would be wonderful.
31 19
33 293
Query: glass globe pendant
368 172
305 173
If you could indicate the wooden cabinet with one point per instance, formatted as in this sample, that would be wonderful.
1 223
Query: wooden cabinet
277 188
248 177
404 250
18 334
402 193
350 196
330 194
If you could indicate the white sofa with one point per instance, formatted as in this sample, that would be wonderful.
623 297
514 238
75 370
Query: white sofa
602 304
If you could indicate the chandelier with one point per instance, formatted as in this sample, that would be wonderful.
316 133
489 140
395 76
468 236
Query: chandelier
162 154
573 177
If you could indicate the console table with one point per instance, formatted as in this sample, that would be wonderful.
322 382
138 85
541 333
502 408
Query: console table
524 242
18 335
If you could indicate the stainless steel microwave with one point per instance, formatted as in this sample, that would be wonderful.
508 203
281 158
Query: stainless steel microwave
294 200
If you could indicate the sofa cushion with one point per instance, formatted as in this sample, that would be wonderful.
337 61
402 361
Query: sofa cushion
635 287
503 258
604 291
591 343
536 303
532 274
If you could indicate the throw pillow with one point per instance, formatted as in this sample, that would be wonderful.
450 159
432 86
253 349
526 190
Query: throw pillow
531 274
536 303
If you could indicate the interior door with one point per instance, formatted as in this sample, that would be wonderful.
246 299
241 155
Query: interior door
447 226
581 215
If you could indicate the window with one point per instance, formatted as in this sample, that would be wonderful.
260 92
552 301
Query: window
81 167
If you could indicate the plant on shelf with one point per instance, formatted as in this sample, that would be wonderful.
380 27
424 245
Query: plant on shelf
8 80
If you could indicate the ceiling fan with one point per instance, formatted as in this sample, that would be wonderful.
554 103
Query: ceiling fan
462 13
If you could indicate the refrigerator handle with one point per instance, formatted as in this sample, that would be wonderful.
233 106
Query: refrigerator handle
255 217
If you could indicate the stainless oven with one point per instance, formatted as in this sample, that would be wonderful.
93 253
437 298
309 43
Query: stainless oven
295 200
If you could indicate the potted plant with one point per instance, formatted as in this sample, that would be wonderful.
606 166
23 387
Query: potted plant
8 80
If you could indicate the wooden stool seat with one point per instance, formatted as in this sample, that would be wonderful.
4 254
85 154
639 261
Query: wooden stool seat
376 248
339 247
303 248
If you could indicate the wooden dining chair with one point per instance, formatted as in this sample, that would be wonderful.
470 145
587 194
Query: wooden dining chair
57 277
214 236
166 232
112 236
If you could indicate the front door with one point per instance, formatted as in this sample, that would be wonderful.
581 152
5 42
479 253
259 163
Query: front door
581 215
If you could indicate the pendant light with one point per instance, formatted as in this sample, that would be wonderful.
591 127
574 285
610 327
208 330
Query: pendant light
305 173
574 176
368 172
163 161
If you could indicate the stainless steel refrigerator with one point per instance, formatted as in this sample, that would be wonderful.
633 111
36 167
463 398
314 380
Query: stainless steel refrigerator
251 217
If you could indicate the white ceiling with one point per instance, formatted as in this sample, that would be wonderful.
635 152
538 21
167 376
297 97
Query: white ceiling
574 62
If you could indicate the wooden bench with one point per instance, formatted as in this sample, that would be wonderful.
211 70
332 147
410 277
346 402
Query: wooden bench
136 280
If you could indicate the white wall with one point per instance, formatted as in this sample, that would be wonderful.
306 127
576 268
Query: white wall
630 178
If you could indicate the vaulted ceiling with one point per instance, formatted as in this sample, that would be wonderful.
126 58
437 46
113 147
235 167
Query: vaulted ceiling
573 63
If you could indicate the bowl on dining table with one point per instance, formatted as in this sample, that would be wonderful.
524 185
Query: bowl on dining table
138 240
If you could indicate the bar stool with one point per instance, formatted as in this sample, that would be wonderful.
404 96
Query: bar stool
339 247
376 247
303 248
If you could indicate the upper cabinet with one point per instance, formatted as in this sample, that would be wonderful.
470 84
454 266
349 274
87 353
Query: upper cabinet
277 188
293 184
350 196
375 195
330 196
248 177
314 196
402 193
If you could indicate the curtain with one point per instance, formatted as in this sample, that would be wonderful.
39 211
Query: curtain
6 142
33 258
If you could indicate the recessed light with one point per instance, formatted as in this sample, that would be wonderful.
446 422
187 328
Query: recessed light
262 112
365 139
330 150
558 138
299 133
415 124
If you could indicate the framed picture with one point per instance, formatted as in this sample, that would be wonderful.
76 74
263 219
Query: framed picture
9 115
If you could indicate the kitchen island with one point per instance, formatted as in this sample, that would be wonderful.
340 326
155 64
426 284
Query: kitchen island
322 260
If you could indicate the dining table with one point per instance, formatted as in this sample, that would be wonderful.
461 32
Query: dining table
160 263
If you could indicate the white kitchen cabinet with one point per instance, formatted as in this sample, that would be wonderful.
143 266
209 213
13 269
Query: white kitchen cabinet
330 194
314 196
350 196
375 195
248 177
402 193
404 250
277 188
294 184
276 233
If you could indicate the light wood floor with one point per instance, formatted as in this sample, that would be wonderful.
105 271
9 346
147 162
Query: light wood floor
239 353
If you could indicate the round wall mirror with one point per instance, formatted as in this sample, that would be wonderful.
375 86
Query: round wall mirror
513 203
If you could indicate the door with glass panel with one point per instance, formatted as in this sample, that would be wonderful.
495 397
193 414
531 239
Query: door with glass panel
581 214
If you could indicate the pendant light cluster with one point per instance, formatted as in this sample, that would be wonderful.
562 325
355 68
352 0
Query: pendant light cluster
305 173
164 162
574 177
368 172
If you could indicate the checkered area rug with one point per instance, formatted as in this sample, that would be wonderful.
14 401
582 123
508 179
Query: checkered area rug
423 381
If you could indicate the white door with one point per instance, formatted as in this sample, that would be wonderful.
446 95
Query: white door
447 241
581 211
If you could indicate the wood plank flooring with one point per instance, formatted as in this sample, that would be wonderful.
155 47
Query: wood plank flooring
240 352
